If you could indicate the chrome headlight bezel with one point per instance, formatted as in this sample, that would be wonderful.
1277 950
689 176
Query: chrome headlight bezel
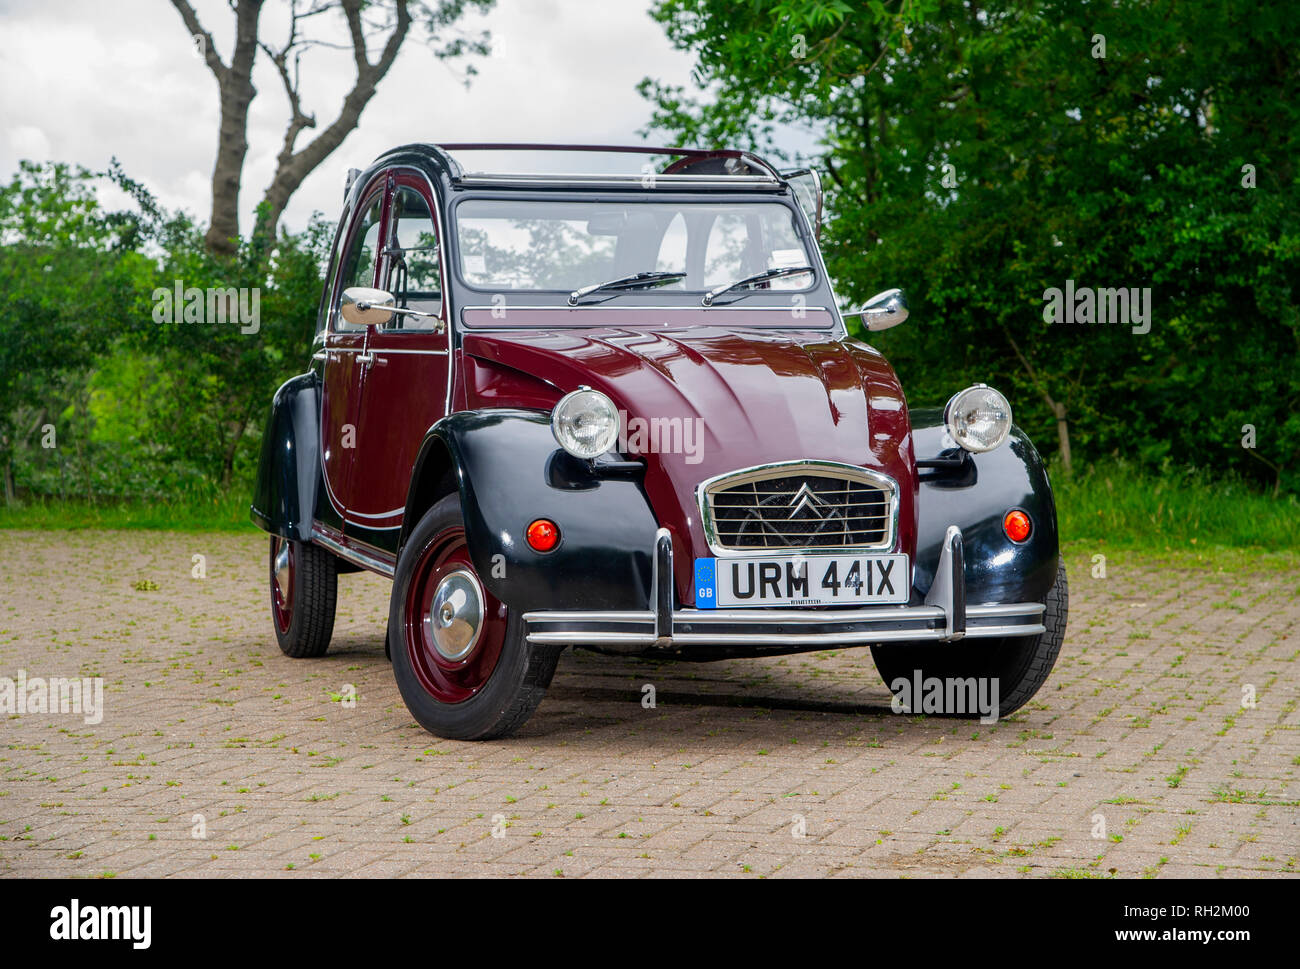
960 403
564 429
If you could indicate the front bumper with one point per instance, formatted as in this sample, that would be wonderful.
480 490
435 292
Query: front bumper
944 618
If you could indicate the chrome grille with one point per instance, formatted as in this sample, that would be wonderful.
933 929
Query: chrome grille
800 506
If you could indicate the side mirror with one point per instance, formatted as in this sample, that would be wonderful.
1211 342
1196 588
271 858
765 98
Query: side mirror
883 310
362 306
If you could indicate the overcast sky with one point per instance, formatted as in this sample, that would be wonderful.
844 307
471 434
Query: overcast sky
84 80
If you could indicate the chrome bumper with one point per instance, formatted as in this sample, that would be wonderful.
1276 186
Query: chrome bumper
944 617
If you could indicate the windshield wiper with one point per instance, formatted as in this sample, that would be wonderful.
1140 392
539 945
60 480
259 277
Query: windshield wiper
635 281
713 294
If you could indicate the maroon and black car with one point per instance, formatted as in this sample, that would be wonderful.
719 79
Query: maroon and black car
623 412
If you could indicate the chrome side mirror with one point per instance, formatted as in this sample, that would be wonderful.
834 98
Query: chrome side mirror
363 306
883 310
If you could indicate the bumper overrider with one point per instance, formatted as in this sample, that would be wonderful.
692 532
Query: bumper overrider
944 618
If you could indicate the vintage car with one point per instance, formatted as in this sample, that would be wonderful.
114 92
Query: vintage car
620 410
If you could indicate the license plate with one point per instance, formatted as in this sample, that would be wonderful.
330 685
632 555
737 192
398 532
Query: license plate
801 580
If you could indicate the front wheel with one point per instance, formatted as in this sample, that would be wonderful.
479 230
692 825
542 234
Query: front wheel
461 657
1018 664
304 589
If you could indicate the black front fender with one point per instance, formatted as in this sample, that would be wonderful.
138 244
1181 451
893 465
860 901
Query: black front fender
284 495
976 499
509 472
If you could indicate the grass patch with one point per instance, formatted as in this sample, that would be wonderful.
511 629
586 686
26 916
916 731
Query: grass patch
1119 505
1113 505
226 513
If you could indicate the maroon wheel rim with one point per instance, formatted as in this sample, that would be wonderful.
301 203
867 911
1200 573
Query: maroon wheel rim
446 679
284 563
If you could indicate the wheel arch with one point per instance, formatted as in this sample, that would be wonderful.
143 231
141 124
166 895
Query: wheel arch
284 494
432 479
975 499
508 470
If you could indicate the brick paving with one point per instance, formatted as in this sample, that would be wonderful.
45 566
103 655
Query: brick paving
217 756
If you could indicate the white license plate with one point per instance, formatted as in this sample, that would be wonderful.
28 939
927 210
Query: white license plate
801 580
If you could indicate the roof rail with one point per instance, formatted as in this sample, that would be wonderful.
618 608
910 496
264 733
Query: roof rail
720 168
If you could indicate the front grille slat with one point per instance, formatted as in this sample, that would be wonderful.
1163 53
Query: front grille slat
794 509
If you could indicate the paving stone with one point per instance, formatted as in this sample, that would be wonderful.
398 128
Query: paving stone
1141 725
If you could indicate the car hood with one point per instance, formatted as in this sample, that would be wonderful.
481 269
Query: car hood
726 399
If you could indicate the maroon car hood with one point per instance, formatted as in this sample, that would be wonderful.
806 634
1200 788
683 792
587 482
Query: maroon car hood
761 396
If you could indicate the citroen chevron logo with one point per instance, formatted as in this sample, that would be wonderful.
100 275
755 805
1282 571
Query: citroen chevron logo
805 498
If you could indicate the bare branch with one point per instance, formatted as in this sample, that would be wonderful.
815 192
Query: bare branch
196 29
293 166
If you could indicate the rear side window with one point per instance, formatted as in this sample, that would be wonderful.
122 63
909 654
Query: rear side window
362 254
327 296
411 269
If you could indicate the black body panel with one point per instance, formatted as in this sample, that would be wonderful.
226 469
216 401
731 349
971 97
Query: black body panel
975 499
284 495
510 471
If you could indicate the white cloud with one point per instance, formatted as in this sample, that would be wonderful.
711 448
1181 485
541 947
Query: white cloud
83 81
27 141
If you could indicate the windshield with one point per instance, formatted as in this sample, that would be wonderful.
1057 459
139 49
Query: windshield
558 245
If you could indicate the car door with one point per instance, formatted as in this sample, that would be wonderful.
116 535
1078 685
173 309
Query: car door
343 370
405 368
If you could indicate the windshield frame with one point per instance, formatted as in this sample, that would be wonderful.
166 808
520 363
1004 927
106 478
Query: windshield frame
816 296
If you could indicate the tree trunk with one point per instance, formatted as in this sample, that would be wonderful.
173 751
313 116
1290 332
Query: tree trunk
232 146
1063 433
1057 407
228 462
235 83
10 496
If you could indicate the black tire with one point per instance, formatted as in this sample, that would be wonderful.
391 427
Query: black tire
510 692
304 624
1019 663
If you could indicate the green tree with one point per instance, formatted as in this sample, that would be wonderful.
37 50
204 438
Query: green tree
138 396
70 283
978 157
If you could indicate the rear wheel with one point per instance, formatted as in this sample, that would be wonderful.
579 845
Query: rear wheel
304 589
461 658
1020 664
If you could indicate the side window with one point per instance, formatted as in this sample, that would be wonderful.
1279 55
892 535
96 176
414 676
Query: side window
411 269
327 294
359 263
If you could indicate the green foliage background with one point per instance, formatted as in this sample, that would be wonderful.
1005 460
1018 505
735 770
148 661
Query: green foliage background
138 409
973 155
1126 169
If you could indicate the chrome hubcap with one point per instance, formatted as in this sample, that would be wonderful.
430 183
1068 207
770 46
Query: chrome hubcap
455 619
282 577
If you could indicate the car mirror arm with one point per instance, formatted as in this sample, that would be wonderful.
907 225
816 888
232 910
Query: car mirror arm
362 305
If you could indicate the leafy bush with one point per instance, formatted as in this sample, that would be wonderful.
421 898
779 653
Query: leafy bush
98 399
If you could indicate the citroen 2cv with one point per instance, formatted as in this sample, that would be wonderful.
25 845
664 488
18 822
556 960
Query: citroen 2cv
622 411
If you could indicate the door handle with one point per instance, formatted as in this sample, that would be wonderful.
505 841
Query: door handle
366 359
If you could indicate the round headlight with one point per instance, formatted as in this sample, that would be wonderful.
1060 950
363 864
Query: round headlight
585 423
978 418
